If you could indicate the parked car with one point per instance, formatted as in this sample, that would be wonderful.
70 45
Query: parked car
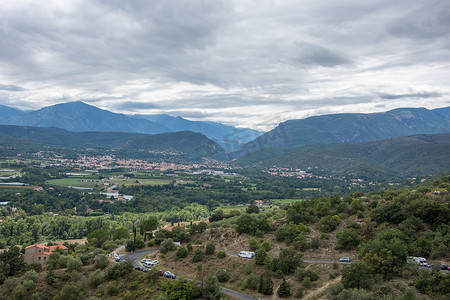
169 274
344 259
161 272
149 262
139 268
146 270
148 265
444 267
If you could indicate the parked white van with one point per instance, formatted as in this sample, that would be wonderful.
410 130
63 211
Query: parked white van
416 260
246 254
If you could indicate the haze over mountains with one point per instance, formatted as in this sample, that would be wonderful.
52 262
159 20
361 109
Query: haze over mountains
400 142
183 146
353 128
79 116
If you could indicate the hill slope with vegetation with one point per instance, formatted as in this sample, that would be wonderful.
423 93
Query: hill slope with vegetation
296 249
402 156
353 128
186 145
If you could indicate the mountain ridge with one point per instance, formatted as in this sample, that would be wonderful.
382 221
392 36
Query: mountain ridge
352 128
405 156
188 146
78 116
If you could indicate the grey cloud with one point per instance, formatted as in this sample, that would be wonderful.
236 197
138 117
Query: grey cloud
197 56
429 21
134 106
11 88
410 95
316 55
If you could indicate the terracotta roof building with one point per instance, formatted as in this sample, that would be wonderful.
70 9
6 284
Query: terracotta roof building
39 253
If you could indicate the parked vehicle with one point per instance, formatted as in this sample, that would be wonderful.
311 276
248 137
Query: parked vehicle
444 267
344 259
416 260
169 274
148 265
149 262
246 254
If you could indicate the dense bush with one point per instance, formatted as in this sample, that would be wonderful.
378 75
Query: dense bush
223 276
181 252
118 270
198 255
100 261
210 249
167 245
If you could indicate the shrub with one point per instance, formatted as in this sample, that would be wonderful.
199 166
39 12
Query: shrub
100 261
120 233
251 282
347 239
221 254
96 279
74 264
210 249
28 284
37 296
223 276
181 252
50 278
266 246
112 289
198 255
19 292
109 245
301 273
69 291
10 283
284 291
329 223
189 247
211 289
31 275
167 245
260 256
118 270
253 244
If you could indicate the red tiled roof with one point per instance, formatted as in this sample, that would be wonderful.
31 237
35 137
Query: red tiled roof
37 245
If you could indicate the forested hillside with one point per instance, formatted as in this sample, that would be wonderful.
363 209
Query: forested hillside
402 156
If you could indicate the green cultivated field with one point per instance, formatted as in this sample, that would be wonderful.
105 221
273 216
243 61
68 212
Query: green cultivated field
73 182
132 181
286 201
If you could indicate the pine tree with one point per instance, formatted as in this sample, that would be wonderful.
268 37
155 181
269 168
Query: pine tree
268 287
261 284
284 291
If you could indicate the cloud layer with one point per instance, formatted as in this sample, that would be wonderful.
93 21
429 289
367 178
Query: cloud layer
237 62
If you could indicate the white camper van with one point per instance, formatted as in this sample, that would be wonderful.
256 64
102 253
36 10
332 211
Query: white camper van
246 254
417 260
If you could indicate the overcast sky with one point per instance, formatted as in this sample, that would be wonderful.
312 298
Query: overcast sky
247 63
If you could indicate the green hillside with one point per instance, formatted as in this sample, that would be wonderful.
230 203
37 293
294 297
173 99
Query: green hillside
185 145
402 156
352 128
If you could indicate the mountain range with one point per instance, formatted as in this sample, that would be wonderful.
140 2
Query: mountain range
184 146
352 128
79 116
401 156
